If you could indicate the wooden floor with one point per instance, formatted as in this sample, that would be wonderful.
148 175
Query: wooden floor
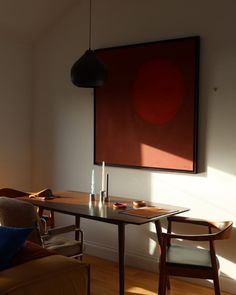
104 281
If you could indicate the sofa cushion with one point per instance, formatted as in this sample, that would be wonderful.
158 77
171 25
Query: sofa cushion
51 275
11 241
30 251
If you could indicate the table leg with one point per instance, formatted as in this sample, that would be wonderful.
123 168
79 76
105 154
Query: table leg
159 233
121 239
77 224
160 242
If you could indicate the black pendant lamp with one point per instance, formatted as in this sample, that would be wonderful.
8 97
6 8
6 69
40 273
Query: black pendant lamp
88 71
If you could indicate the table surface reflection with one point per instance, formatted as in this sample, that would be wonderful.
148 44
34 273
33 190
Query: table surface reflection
78 203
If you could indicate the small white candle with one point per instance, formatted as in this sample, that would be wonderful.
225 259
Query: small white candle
92 182
103 175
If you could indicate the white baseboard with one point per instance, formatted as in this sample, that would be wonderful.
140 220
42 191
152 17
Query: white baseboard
132 259
150 264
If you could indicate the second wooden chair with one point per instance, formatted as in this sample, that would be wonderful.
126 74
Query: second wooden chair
194 262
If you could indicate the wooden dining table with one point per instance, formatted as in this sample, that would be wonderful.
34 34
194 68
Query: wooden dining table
78 204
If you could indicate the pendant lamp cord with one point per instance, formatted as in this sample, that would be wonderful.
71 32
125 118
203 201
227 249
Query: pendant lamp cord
90 23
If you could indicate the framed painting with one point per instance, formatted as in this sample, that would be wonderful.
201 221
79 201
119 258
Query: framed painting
145 115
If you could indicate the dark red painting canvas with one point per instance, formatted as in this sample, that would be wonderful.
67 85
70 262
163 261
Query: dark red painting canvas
146 112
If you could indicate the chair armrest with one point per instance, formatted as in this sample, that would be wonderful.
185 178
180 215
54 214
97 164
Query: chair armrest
190 220
64 229
224 227
202 237
224 232
61 230
79 234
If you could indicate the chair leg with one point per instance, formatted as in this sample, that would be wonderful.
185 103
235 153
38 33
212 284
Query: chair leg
52 219
165 284
216 271
162 283
168 282
217 285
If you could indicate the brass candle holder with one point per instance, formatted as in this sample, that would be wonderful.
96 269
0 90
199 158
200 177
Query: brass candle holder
103 195
92 197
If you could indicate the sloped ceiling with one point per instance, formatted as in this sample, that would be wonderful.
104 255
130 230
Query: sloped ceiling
28 19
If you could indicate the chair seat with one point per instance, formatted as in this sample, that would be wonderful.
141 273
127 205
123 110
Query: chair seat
63 246
192 257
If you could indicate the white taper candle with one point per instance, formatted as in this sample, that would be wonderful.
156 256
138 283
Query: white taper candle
92 182
103 175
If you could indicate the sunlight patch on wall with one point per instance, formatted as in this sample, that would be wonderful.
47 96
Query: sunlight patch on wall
165 159
152 247
153 242
208 195
227 267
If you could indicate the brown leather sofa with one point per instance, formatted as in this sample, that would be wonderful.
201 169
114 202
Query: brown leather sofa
49 275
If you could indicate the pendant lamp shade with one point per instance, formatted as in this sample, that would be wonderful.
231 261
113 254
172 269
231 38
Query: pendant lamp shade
88 70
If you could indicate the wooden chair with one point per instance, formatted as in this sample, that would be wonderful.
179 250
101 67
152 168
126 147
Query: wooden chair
17 213
194 262
13 193
53 239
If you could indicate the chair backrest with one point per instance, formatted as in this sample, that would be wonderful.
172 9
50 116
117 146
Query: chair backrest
12 193
17 213
224 229
218 230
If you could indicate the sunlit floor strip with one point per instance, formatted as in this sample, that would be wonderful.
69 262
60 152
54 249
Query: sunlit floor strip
141 291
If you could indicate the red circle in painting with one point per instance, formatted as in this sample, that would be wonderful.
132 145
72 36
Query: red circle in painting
158 91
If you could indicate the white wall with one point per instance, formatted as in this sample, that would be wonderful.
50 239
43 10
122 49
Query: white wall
63 117
15 110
